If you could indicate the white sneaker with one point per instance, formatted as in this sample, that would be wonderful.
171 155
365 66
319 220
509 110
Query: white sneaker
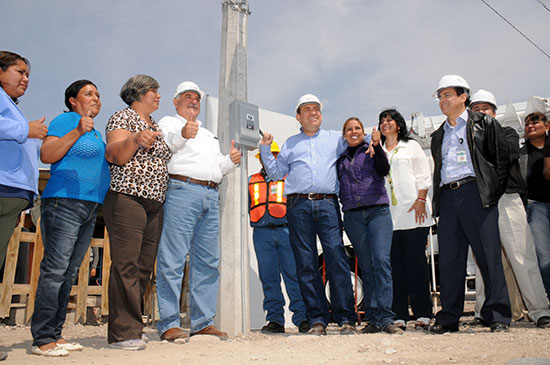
131 345
55 352
70 346
144 338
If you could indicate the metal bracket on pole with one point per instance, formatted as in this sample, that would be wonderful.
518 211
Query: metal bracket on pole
241 5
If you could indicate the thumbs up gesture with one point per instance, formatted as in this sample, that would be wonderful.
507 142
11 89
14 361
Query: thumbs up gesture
235 154
190 129
37 129
375 136
86 124
145 138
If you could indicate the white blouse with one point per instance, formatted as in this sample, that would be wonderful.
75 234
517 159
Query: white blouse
410 172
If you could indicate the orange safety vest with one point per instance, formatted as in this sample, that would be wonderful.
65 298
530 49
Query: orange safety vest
262 195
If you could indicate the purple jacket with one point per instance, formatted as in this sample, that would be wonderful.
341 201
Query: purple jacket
361 178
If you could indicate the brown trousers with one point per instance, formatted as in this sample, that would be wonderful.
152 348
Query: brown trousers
134 225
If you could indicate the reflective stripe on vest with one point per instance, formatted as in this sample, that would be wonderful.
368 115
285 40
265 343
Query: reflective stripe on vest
266 195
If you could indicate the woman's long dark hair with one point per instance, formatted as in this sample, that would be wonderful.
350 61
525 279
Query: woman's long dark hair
402 131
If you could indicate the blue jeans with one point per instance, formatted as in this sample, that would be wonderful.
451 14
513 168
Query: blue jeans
67 228
191 225
275 257
306 220
370 232
538 215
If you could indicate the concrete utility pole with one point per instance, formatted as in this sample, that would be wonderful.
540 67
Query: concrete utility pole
233 301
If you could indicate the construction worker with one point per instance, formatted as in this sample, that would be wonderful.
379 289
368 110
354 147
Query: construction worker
471 168
520 257
267 208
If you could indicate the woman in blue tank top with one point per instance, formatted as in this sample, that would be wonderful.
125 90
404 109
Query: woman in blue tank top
79 181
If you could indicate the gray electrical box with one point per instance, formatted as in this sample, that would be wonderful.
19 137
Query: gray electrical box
244 124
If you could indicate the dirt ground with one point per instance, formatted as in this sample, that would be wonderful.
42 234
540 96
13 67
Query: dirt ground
522 344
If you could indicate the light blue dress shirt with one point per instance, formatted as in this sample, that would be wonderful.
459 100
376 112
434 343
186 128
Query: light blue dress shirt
457 162
309 161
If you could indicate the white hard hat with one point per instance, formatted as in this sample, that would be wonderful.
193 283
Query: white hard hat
451 81
483 96
308 99
188 86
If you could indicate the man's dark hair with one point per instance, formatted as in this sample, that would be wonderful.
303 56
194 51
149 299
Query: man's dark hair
459 91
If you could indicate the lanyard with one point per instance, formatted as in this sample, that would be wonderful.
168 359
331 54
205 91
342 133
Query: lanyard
390 180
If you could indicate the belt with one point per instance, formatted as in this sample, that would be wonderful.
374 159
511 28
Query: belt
208 184
458 183
273 226
312 196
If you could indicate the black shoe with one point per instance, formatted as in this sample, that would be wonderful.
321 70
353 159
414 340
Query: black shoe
3 356
303 327
543 322
317 329
370 328
499 327
273 327
478 322
439 329
392 329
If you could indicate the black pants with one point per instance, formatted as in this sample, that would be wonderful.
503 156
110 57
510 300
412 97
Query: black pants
410 273
463 221
134 225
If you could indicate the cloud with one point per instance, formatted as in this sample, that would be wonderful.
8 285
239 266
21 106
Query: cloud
357 56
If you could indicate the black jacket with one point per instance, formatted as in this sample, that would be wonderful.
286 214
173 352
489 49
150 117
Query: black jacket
489 152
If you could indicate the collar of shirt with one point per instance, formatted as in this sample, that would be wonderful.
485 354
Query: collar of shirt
460 121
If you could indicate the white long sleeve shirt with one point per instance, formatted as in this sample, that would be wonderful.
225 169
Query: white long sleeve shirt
410 172
200 157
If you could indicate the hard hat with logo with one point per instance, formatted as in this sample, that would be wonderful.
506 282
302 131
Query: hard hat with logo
188 86
308 99
483 96
274 148
451 81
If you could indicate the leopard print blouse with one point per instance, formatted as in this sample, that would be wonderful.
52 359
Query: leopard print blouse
146 174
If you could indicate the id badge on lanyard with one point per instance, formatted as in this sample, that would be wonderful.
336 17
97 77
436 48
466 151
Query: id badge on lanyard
461 157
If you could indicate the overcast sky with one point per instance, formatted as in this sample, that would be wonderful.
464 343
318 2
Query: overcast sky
358 56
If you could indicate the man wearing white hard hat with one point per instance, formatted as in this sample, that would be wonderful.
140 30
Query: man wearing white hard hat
471 168
515 235
267 210
191 218
309 159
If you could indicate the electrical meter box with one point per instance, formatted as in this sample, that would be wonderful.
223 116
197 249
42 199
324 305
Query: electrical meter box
244 124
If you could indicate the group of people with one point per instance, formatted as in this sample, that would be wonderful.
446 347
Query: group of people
381 182
488 194
158 184
146 175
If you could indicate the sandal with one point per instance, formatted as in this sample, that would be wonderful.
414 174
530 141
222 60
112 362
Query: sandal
54 352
